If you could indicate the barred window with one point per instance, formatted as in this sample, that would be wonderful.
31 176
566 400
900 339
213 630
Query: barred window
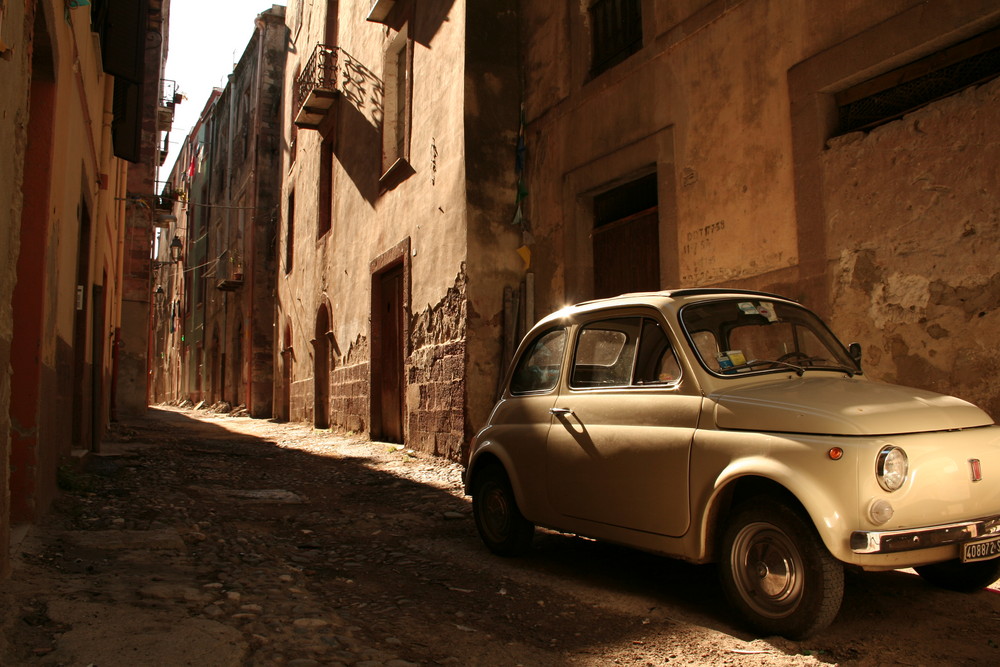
888 97
616 31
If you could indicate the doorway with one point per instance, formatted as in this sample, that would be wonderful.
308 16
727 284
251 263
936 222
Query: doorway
83 306
238 398
285 403
387 357
321 370
626 239
97 420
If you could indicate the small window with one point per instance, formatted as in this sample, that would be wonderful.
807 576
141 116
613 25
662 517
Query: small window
616 32
538 369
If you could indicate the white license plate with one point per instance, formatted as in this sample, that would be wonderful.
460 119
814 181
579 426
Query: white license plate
981 549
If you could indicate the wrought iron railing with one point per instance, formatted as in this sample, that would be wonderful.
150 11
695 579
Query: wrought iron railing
330 72
319 74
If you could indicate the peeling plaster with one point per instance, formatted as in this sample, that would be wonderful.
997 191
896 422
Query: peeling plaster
445 321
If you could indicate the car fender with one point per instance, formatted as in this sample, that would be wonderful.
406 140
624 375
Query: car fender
490 451
828 499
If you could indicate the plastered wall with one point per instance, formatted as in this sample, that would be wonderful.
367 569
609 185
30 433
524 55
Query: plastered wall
893 234
913 232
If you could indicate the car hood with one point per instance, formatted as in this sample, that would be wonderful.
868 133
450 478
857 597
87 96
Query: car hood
841 406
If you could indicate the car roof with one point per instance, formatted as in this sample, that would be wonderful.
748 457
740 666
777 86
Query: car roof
664 298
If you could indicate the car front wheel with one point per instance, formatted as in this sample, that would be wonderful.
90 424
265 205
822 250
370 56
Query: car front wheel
777 573
501 526
962 577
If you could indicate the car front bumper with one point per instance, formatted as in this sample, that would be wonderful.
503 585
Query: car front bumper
895 541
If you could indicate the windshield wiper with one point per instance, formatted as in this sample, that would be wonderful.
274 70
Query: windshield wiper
799 370
760 362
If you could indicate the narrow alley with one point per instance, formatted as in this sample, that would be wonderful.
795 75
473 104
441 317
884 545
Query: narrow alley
195 538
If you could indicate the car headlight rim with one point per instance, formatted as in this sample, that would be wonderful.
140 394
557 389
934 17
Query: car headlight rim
891 468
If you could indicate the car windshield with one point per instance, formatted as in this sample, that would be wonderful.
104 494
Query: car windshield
754 335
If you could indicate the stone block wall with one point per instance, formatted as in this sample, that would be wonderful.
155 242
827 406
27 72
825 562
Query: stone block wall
436 399
350 387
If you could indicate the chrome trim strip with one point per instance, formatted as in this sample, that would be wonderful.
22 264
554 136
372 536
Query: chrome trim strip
894 541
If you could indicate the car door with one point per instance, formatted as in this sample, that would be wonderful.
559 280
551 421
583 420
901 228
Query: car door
617 451
520 421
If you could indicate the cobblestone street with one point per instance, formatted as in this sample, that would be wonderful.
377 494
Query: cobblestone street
203 539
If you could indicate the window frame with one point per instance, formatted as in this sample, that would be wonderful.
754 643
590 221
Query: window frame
528 351
644 319
397 116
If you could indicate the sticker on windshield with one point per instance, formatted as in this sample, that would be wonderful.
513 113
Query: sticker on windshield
766 308
748 308
730 359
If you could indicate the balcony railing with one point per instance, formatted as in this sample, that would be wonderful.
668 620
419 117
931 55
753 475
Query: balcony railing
316 88
229 278
331 73
168 100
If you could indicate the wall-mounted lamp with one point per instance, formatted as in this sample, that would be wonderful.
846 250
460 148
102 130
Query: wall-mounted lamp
175 249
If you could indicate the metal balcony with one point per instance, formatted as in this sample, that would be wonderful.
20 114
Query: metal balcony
230 280
168 100
316 88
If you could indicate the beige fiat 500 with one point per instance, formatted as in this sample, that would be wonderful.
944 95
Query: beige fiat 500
733 427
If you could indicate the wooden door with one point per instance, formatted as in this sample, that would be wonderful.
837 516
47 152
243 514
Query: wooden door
627 255
390 356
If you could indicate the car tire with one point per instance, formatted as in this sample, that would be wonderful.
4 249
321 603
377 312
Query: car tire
500 523
777 573
962 577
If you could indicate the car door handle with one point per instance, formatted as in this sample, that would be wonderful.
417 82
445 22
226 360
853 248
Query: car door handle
559 412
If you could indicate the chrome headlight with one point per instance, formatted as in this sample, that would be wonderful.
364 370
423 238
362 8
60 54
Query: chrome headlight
891 468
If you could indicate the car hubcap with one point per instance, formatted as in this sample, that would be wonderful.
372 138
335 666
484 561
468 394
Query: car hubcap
767 568
496 514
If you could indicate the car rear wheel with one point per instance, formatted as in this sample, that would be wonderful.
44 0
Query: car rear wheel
777 573
962 577
501 526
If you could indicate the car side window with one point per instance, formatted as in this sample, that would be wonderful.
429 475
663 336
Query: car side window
605 352
538 369
655 362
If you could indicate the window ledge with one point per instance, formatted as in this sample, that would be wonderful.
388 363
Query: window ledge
396 173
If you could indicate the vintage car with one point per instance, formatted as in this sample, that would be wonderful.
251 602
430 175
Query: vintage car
733 427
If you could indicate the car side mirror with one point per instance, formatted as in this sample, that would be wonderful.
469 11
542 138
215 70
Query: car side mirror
854 349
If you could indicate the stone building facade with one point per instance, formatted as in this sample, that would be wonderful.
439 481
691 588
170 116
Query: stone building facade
843 154
75 79
215 318
396 242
